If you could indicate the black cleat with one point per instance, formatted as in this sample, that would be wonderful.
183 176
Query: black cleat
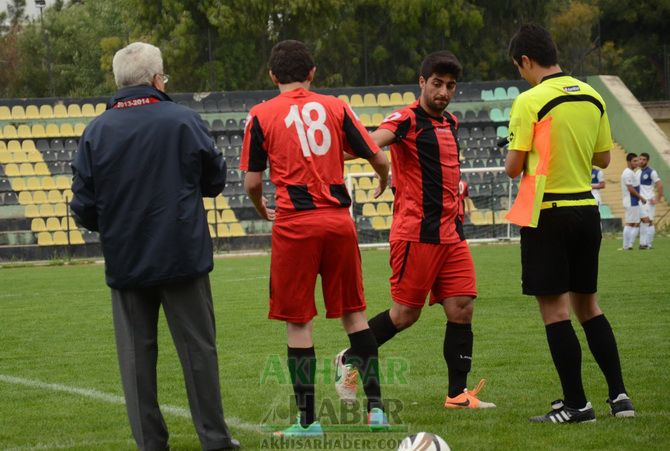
561 413
621 407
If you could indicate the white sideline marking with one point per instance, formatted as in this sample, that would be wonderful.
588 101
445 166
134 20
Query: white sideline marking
114 399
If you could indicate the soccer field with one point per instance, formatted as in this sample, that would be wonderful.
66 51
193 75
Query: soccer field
60 387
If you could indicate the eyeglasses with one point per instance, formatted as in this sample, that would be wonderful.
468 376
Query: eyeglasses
164 77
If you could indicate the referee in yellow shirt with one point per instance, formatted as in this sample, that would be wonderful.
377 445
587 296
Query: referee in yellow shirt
558 129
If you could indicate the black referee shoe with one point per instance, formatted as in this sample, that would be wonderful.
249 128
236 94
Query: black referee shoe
561 413
621 407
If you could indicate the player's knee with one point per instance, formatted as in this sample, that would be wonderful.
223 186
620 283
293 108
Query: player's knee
459 311
404 318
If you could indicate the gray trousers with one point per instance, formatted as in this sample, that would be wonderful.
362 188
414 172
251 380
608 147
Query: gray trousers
190 317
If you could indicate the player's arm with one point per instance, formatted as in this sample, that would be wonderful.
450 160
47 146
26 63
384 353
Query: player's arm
380 163
383 137
659 192
600 184
253 185
634 193
515 162
601 159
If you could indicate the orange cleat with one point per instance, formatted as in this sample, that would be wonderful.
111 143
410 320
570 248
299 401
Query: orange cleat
468 399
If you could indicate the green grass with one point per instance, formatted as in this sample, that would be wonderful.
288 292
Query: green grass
56 328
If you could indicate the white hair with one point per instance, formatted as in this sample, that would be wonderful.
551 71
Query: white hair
136 64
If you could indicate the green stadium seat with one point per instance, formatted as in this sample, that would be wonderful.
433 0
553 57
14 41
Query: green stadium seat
499 93
496 115
502 131
605 212
487 94
506 113
512 92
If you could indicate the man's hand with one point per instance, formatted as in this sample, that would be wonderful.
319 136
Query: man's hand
382 185
265 212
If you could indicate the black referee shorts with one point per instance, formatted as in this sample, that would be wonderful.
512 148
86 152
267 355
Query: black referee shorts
561 254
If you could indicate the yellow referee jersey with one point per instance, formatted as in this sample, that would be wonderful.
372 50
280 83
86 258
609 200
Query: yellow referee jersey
578 128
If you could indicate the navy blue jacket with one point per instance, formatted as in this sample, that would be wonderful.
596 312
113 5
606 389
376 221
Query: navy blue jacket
139 177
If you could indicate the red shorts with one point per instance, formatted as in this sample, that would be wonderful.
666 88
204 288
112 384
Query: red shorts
444 270
306 244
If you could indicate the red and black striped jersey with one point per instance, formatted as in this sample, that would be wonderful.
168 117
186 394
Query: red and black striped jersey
304 134
426 172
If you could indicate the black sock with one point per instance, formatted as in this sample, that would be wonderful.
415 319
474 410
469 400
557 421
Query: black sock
363 354
457 353
603 347
302 368
567 355
382 327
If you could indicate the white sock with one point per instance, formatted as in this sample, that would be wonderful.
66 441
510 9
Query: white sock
651 231
633 235
626 236
644 233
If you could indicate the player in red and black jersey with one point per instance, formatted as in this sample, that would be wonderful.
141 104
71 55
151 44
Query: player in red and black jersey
304 136
429 253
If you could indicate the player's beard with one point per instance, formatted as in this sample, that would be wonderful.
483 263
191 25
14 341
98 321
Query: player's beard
437 105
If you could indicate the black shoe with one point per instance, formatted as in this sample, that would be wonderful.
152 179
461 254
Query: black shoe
621 407
232 444
643 247
561 413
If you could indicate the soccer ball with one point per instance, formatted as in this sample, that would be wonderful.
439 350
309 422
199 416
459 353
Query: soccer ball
424 441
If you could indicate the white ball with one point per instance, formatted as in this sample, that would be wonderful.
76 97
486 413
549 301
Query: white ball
424 441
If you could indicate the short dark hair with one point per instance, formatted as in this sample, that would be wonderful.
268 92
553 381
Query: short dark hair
442 62
630 156
645 154
291 61
536 43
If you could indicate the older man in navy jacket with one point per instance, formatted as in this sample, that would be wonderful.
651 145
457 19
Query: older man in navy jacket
140 173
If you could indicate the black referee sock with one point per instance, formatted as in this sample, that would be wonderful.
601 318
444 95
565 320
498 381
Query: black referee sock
567 355
457 351
603 346
302 368
382 327
363 354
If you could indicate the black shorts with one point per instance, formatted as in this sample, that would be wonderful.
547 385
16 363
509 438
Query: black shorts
561 254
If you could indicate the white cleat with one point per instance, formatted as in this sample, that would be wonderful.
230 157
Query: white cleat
346 379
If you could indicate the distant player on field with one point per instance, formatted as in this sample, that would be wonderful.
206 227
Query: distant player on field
649 181
597 183
429 253
304 135
558 129
630 192
464 203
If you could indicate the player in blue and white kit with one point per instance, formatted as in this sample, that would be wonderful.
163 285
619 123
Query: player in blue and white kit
648 181
597 183
630 191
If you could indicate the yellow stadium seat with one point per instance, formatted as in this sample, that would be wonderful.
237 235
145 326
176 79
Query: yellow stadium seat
53 224
48 183
76 237
46 210
12 170
383 99
67 223
74 110
481 217
18 184
366 120
32 211
408 97
355 168
46 112
54 196
5 156
29 146
88 110
212 232
228 216
5 113
387 195
379 223
33 184
53 131
221 202
360 196
59 210
25 198
3 146
35 156
60 111
100 108
500 217
59 238
37 225
18 112
9 132
237 230
208 203
14 146
63 182
23 131
369 210
66 129
79 128
222 231
44 239
343 98
364 183
383 209
211 217
396 99
32 112
369 100
67 195
26 169
356 100
42 169
377 119
38 131
40 197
